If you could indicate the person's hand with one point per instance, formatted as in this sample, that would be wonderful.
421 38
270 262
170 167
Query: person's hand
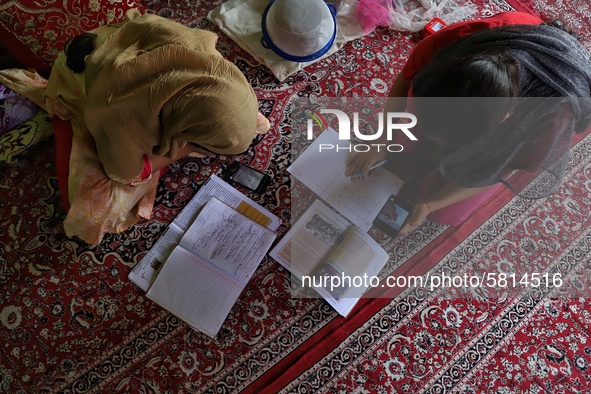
419 213
361 162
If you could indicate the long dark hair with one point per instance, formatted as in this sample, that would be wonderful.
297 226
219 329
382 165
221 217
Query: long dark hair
472 66
465 70
462 71
77 49
540 99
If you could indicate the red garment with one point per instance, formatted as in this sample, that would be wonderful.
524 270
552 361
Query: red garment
420 56
423 52
147 171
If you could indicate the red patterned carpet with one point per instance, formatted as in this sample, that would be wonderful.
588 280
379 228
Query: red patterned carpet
71 322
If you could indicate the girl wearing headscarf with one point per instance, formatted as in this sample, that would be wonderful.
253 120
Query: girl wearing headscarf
491 96
140 95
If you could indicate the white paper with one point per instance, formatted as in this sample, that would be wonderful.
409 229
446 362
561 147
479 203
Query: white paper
300 250
145 272
229 240
324 174
350 250
216 187
195 291
206 272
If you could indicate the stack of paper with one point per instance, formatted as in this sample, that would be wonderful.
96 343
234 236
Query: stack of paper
203 261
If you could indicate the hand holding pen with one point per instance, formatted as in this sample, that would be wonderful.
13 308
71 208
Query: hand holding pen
378 164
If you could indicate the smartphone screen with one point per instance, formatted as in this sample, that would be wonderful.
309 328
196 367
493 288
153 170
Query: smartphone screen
437 26
248 177
391 217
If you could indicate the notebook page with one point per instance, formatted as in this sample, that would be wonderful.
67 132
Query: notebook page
195 291
324 174
310 239
144 273
216 187
228 239
358 255
348 250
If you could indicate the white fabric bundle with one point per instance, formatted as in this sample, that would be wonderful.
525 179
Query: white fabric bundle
413 15
241 21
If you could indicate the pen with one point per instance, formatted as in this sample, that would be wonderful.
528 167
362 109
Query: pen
379 163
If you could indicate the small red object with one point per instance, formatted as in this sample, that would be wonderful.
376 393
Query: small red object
434 25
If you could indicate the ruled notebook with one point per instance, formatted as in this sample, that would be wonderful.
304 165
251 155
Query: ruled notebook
206 272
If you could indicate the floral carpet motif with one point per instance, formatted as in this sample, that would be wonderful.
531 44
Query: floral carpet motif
71 322
38 30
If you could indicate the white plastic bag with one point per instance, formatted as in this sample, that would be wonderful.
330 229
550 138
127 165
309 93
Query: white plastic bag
413 15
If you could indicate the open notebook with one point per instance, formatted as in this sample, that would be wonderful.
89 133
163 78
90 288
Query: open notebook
325 244
327 253
198 269
323 172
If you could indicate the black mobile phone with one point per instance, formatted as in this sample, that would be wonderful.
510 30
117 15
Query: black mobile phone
241 174
392 216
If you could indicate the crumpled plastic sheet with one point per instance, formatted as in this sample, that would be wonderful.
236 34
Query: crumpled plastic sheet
14 109
413 15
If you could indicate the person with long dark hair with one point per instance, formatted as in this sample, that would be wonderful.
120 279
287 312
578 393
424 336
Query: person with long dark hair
492 96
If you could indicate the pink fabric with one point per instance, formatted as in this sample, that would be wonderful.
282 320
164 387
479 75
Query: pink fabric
452 214
456 213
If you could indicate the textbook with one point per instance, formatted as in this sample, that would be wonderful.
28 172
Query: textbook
207 255
323 172
326 252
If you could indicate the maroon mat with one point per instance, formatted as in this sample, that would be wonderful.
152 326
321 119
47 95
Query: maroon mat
71 322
